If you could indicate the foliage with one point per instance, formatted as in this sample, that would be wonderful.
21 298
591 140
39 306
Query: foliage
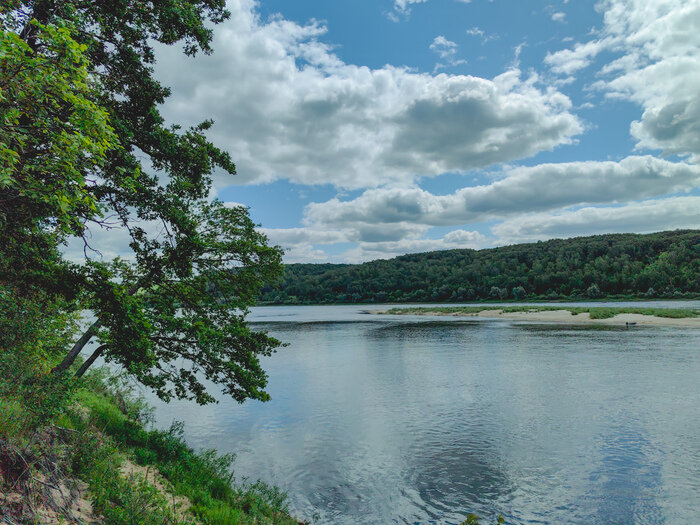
126 501
33 332
195 309
665 264
473 519
80 110
88 435
52 133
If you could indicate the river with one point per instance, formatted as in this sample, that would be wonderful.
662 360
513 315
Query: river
421 420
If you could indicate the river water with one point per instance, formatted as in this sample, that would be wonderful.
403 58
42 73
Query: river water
407 419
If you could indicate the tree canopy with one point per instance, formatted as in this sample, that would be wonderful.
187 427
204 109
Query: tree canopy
665 264
85 149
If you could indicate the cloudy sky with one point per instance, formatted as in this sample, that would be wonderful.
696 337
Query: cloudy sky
365 129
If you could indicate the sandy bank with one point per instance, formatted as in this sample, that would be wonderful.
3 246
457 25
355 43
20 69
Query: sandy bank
564 316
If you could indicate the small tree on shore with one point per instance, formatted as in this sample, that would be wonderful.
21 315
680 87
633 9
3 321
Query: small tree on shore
593 291
519 293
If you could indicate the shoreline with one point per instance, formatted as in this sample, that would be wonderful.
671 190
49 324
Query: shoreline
561 316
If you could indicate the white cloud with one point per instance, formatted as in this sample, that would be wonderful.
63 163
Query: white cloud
559 16
385 250
287 107
640 217
523 190
404 6
656 43
379 242
108 243
536 202
480 33
295 236
568 61
443 47
446 50
303 253
300 244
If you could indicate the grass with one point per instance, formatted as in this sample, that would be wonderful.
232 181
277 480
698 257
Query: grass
205 478
56 430
93 430
595 312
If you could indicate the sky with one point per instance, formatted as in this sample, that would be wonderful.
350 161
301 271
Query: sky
367 129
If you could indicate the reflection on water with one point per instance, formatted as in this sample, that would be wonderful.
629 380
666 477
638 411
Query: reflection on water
403 419
627 480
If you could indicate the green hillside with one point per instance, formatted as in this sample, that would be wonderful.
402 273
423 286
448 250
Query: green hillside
657 265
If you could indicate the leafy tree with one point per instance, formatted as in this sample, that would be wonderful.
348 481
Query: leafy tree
52 135
519 293
593 291
175 310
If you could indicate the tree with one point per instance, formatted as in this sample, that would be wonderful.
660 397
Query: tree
174 311
52 135
593 291
519 293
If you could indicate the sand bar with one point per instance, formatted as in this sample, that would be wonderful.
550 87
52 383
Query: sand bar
561 316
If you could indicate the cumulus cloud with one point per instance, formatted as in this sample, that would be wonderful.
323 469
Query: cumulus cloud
307 244
287 107
455 239
656 45
640 217
523 190
301 244
443 47
568 61
295 236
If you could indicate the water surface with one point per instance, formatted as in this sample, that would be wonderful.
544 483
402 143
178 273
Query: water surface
407 419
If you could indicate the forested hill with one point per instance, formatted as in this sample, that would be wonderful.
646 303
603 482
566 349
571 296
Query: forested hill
665 264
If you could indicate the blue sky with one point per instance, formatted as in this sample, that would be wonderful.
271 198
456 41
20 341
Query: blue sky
368 129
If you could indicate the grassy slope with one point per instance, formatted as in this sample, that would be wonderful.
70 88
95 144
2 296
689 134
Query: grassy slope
91 438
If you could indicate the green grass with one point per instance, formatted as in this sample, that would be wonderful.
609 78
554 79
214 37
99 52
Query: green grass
596 312
93 429
204 477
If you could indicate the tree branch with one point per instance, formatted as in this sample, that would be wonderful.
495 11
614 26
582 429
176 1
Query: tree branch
90 360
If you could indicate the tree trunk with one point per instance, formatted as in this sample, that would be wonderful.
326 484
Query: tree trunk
77 347
85 338
88 362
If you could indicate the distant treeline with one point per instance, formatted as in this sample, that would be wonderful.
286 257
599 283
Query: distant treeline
657 265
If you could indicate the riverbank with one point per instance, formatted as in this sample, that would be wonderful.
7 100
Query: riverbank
95 461
689 318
